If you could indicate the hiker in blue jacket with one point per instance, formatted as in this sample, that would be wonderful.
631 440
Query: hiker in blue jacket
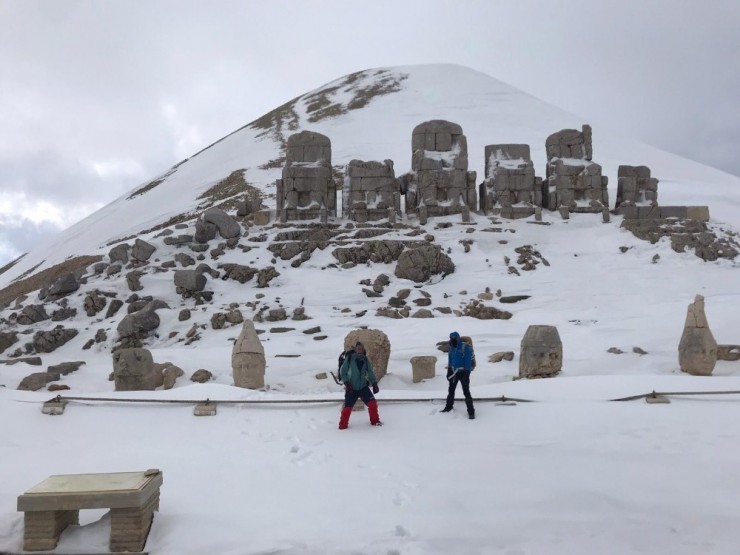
459 366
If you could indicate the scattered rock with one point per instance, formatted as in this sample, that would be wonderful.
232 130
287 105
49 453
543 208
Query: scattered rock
170 375
184 259
615 351
218 320
371 293
88 344
423 313
184 315
423 301
94 302
403 294
502 355
638 351
724 352
443 309
142 251
65 368
266 275
476 309
321 376
33 361
227 226
276 315
204 232
64 313
100 336
32 314
423 368
421 263
281 330
65 285
240 273
49 341
137 326
201 376
310 331
119 254
114 306
189 281
57 387
35 381
7 339
514 299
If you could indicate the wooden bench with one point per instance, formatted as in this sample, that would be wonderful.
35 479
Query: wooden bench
55 503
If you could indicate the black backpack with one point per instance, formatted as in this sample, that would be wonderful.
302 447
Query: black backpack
342 357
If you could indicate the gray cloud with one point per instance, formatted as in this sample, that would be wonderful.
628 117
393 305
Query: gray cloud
98 97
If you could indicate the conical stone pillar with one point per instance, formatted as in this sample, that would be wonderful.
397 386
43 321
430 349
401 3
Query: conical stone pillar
248 359
697 350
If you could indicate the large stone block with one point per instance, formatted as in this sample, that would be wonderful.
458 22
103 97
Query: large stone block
248 359
697 350
133 370
699 213
308 146
422 368
541 352
377 347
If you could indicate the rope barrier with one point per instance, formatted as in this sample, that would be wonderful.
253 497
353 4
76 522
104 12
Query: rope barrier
654 394
62 398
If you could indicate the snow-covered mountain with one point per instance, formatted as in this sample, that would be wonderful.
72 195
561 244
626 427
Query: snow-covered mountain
569 474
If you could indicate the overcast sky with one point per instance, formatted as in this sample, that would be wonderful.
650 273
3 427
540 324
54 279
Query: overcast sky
98 96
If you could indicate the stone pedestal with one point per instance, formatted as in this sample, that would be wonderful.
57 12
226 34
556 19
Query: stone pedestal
422 368
54 504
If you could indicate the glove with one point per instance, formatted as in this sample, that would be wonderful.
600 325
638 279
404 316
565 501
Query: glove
375 388
348 387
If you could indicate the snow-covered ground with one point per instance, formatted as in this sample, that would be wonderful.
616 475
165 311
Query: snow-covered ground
570 473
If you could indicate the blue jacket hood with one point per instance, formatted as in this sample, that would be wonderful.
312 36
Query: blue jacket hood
455 335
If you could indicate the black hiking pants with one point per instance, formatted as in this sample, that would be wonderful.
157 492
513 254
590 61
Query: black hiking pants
462 376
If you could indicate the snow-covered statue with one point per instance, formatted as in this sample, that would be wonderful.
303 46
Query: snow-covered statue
510 181
307 190
439 182
574 182
371 191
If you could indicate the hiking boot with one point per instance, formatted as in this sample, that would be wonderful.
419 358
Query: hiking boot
446 409
378 423
471 415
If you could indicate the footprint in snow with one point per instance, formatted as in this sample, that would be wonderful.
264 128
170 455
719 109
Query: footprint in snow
401 531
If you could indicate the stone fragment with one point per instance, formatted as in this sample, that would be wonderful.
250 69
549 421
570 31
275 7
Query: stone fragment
248 359
64 285
227 226
65 368
201 376
142 251
184 315
114 306
724 352
184 259
697 350
119 254
7 339
423 313
502 355
32 314
35 381
218 320
541 352
94 302
423 368
266 275
170 375
204 231
190 281
420 264
133 370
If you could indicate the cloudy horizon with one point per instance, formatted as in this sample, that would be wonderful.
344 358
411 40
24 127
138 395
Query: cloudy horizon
99 97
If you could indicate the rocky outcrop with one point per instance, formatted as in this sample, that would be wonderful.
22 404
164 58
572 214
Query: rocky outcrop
248 359
238 272
133 370
697 350
476 309
377 346
49 341
422 263
541 352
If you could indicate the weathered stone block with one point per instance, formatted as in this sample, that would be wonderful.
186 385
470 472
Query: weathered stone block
377 347
133 370
422 368
541 352
248 359
697 350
